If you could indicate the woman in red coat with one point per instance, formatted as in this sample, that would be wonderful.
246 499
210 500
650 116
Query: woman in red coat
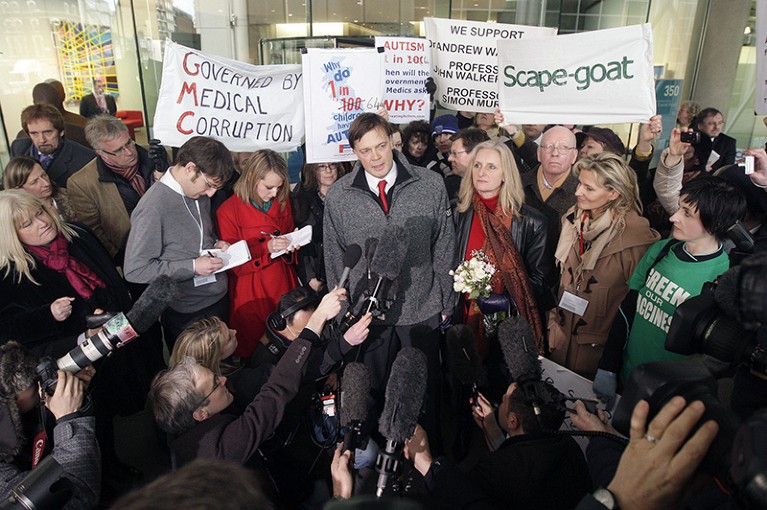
260 213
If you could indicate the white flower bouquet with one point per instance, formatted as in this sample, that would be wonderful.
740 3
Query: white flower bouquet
473 276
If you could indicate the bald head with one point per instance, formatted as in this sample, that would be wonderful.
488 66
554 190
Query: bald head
557 152
44 93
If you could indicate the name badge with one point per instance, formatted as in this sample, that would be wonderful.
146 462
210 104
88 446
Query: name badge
199 281
573 303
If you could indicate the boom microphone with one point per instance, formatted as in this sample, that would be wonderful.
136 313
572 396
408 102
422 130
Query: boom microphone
518 345
123 327
463 359
351 257
405 393
387 262
355 388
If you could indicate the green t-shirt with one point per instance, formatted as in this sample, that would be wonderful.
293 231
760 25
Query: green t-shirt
661 289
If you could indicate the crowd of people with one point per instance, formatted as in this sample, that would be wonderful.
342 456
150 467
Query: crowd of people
588 247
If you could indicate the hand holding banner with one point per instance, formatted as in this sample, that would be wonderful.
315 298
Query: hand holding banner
244 106
599 77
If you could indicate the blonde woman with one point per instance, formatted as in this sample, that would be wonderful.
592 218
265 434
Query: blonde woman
260 213
26 173
211 343
603 238
491 217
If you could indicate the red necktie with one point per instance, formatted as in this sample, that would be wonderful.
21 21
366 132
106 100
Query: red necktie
382 196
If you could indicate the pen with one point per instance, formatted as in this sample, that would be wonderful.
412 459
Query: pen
210 254
268 234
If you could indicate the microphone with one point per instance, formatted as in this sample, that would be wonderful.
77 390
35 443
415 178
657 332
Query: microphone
351 257
463 358
355 388
387 262
521 355
371 245
404 395
123 327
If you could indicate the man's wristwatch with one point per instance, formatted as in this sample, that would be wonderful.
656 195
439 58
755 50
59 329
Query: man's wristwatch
606 498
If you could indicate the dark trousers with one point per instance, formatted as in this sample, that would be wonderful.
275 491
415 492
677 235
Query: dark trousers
379 352
173 322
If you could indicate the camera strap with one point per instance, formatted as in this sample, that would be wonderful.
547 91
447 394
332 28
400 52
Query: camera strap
41 437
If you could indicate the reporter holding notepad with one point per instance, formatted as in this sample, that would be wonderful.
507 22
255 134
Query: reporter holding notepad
260 213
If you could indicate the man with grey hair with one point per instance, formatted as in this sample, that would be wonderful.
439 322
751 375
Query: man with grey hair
550 187
105 192
63 433
188 399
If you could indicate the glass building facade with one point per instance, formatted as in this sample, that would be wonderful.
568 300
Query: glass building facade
75 40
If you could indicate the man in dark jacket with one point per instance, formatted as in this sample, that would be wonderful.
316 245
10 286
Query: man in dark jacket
527 469
45 141
189 400
97 102
710 124
58 429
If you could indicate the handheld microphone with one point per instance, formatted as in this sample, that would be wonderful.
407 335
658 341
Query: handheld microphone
463 358
123 327
371 245
351 257
521 355
387 262
404 395
355 387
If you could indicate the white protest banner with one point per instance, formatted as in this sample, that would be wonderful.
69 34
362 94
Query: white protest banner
464 60
760 97
244 106
599 77
406 69
339 85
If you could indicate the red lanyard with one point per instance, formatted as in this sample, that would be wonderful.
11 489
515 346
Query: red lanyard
581 240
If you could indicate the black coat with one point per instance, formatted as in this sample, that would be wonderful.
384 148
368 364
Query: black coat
530 235
70 158
25 316
526 472
90 108
309 209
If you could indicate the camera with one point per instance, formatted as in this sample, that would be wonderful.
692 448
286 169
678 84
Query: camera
691 137
46 373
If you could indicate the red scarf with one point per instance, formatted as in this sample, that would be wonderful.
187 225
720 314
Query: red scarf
133 176
56 257
511 275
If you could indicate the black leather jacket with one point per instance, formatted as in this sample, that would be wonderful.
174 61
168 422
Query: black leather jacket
530 234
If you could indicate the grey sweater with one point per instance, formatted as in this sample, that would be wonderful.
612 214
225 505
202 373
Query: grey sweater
418 203
165 239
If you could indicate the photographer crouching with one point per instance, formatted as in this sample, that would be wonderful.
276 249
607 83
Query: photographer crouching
37 427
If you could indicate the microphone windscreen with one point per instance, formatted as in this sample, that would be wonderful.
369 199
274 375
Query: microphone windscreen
405 392
152 303
519 350
371 245
388 260
462 356
355 387
352 255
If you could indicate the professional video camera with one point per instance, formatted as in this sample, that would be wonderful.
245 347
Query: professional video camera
723 324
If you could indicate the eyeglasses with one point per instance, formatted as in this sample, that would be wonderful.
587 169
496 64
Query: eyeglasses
456 153
208 184
332 167
126 147
549 148
216 384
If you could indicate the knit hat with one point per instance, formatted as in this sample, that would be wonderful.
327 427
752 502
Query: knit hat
608 137
444 124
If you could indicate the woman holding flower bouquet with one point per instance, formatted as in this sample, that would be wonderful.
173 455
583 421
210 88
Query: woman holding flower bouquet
603 237
494 227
